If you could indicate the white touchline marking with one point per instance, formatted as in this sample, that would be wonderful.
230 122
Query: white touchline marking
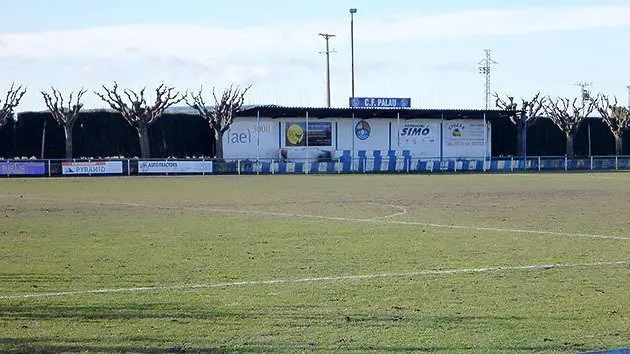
402 211
318 279
338 218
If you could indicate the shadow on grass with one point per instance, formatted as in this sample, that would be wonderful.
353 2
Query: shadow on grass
285 320
170 310
50 345
53 345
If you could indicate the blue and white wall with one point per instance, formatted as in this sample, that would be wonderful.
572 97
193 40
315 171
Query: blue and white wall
419 138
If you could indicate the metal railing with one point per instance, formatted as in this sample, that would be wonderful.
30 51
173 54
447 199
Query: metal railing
386 164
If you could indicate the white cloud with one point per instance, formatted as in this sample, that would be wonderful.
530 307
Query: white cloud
282 55
208 43
500 22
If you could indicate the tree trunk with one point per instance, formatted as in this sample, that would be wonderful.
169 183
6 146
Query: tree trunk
145 147
43 147
619 144
570 146
68 132
519 138
218 143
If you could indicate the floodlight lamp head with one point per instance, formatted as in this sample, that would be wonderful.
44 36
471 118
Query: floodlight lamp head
353 11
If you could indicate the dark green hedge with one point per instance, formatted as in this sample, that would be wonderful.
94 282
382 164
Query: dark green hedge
107 134
545 139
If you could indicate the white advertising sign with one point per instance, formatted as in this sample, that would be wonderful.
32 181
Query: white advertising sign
92 168
464 139
246 137
174 166
421 137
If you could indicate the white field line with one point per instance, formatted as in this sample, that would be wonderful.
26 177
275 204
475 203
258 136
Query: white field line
319 279
338 218
402 211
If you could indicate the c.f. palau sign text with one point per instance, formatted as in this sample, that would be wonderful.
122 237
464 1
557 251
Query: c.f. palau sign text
380 102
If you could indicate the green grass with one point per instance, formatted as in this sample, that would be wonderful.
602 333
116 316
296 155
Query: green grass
65 234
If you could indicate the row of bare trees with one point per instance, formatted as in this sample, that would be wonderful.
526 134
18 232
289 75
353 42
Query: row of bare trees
136 111
14 95
567 115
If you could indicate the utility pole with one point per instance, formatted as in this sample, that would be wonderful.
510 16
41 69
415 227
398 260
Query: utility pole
327 52
628 87
485 67
586 95
352 12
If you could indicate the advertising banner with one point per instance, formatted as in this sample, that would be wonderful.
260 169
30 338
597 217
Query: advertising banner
418 134
247 138
92 168
464 134
465 139
23 168
174 167
317 134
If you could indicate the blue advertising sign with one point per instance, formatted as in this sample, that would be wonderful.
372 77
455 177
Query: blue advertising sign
23 168
379 102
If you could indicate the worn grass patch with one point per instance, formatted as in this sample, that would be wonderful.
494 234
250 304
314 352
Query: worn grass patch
82 234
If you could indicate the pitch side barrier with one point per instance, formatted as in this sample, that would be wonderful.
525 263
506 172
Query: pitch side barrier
406 164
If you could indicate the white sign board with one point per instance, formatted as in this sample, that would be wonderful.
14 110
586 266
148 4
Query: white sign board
174 166
420 137
464 138
246 137
91 168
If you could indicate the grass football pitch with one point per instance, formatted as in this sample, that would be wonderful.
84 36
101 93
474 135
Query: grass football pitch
365 263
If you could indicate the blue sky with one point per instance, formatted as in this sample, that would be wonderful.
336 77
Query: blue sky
426 50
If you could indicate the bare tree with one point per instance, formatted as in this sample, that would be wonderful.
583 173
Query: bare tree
137 112
524 116
616 117
221 116
567 116
65 116
12 99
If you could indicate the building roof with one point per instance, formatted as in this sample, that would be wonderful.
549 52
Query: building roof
366 113
275 111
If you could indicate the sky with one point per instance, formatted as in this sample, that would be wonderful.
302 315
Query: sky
428 51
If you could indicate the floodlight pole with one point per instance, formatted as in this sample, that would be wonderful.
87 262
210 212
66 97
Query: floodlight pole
327 52
586 96
352 12
628 87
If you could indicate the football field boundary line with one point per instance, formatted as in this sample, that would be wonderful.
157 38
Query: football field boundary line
402 211
339 218
319 279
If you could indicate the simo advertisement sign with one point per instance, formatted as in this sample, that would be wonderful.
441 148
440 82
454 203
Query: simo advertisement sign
174 167
420 137
418 134
92 168
22 168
